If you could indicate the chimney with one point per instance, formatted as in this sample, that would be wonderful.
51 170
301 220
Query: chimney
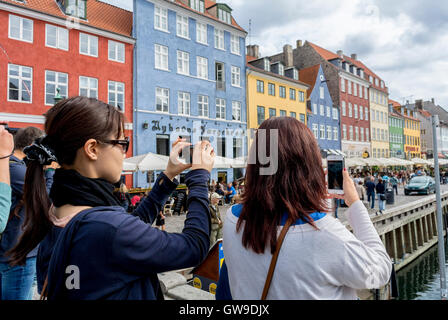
340 53
354 56
432 100
299 43
252 50
249 50
419 104
256 51
287 55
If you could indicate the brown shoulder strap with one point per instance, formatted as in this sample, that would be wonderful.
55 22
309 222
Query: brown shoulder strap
43 294
274 259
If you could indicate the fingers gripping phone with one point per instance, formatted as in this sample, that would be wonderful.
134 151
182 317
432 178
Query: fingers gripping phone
187 154
335 166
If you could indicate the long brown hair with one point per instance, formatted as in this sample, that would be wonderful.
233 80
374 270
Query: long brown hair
68 125
297 188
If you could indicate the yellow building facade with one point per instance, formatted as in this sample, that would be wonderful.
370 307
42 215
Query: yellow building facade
379 123
271 95
411 132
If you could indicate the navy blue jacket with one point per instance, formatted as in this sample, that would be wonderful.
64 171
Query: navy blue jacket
380 188
119 255
370 187
13 231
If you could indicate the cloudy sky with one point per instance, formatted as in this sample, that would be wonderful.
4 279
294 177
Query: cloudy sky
405 42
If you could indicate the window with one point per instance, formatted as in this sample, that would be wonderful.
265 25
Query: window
53 81
197 5
374 152
302 117
377 115
220 108
272 112
116 51
116 94
162 99
301 96
20 83
367 135
295 74
366 96
292 94
373 133
56 37
260 115
236 76
202 67
349 87
362 133
322 92
316 130
260 86
314 108
361 112
335 133
20 28
236 110
183 103
322 110
221 144
88 45
163 144
282 91
322 132
161 18
183 62
342 85
161 57
329 133
355 108
201 32
361 89
335 113
182 26
88 87
344 113
355 89
219 39
271 89
237 147
350 110
328 111
224 16
356 134
267 65
281 69
293 114
220 76
344 132
75 8
235 44
366 113
202 106
351 132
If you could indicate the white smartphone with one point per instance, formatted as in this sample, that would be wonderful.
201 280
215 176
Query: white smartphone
335 166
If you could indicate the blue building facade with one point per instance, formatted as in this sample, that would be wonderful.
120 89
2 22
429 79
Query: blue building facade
323 116
189 80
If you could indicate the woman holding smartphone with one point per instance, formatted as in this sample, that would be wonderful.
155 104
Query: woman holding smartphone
319 257
91 247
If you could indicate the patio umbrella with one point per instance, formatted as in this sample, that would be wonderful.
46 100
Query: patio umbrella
146 162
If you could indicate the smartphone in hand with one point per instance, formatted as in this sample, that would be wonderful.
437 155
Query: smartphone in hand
335 166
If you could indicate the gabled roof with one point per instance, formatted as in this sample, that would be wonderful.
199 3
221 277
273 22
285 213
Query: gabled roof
394 103
424 113
250 58
309 76
367 72
100 15
250 66
324 53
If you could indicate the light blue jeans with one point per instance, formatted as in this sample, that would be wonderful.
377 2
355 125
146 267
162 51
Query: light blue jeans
382 203
16 282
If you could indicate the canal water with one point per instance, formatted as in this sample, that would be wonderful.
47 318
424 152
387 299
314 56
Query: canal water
420 280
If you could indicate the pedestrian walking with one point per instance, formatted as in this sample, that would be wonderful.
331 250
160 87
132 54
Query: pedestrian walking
370 186
380 191
319 257
117 255
394 183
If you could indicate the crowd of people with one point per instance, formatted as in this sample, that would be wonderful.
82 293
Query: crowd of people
62 205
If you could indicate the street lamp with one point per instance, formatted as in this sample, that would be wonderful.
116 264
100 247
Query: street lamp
57 96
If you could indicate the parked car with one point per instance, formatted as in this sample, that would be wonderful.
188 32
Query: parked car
420 184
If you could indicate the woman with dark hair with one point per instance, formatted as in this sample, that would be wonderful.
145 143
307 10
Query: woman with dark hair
89 240
319 258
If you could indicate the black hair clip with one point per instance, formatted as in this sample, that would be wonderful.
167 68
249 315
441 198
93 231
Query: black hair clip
40 152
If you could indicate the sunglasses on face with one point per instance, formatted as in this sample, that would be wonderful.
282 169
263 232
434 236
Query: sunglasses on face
123 143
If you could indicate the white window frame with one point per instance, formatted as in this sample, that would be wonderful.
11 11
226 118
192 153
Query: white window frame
301 96
355 89
220 108
350 111
350 133
56 84
183 103
344 108
342 84
236 76
201 33
349 87
366 113
235 44
162 14
367 135
315 108
322 92
182 26
361 113
184 66
21 79
281 69
322 132
163 94
356 133
59 38
361 133
219 39
366 95
236 110
344 132
197 5
322 110
355 111
117 47
21 22
91 40
161 57
335 113
361 89
335 133
328 111
88 88
316 130
202 67
329 133
267 65
203 106
116 92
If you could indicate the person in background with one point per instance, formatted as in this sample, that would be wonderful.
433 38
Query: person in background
122 195
216 230
380 191
370 186
220 188
361 190
17 280
135 200
212 186
230 193
6 150
160 221
394 183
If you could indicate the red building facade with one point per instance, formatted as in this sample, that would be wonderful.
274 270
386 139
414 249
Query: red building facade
43 49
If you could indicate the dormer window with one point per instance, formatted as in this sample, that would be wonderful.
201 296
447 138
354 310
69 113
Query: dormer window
75 8
376 82
281 69
224 13
361 73
371 79
296 74
267 65
197 5
347 67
